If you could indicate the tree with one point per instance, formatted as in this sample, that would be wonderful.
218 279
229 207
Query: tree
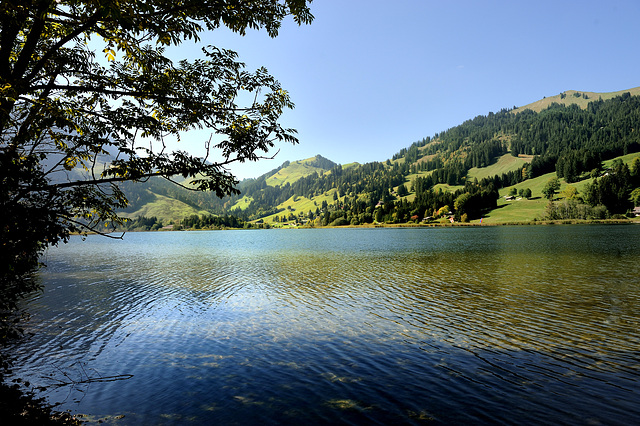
379 215
612 190
461 204
635 167
635 197
526 193
73 125
551 187
570 192
443 211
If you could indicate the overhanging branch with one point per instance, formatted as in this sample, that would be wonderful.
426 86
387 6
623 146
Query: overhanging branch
92 228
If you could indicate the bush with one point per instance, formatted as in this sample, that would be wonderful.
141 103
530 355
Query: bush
341 221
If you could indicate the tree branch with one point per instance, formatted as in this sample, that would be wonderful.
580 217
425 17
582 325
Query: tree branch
64 40
91 228
137 94
31 42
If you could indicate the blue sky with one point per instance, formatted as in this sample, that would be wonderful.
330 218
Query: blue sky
370 77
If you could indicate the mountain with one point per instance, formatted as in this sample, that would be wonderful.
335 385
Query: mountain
291 172
466 170
163 207
167 202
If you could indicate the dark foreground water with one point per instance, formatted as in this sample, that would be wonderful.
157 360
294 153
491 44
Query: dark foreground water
513 325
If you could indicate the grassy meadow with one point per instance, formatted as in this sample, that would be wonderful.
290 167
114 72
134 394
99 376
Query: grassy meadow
526 210
504 164
294 171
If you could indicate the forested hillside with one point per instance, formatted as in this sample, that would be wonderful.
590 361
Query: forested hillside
431 178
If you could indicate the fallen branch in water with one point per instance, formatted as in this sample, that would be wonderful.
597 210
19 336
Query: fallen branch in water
83 379
93 380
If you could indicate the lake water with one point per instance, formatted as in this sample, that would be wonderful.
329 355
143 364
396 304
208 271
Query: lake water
512 325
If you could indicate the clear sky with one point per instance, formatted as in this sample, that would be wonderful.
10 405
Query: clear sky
370 77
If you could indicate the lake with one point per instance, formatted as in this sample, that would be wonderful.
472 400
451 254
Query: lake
512 325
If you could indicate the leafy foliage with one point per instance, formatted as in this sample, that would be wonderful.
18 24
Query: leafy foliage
613 190
63 109
551 188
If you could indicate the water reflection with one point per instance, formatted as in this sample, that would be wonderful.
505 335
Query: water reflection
516 324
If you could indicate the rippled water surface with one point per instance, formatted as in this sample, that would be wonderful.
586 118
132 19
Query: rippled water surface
526 325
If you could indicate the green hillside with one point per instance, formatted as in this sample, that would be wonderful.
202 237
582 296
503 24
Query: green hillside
299 169
521 210
504 164
515 211
242 203
466 170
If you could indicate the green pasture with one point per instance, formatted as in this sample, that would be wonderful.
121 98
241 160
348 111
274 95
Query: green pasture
505 164
292 173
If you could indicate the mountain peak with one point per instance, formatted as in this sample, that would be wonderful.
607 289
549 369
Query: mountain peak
291 171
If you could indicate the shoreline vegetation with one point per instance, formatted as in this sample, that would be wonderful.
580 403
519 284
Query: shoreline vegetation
440 224
602 194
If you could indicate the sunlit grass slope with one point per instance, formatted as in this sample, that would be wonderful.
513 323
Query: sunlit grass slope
574 97
166 209
242 203
521 210
294 171
504 164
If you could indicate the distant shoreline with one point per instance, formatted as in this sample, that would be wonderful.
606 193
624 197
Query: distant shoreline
476 224
634 221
